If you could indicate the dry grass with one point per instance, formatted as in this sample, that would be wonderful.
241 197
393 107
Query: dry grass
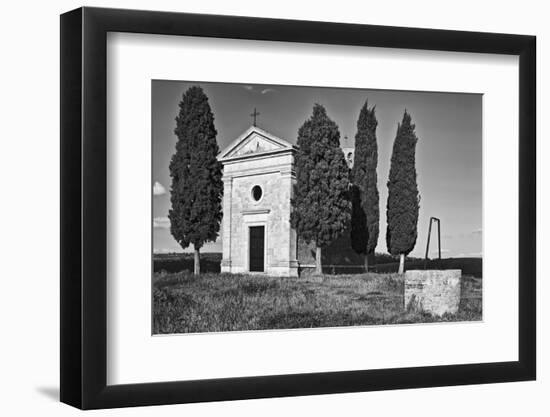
220 302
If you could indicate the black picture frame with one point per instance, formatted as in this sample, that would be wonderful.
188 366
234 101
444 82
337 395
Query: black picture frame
84 207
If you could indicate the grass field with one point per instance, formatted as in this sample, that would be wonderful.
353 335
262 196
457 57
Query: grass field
217 302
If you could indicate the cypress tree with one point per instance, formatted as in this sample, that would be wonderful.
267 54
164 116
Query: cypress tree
197 188
365 197
403 198
321 206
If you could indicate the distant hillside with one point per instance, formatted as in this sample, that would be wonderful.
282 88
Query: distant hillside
176 262
469 266
383 263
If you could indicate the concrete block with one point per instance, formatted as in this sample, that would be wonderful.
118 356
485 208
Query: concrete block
434 291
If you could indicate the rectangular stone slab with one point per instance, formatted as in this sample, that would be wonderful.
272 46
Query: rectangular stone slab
434 291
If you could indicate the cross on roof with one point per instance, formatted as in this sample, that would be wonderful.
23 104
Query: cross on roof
254 115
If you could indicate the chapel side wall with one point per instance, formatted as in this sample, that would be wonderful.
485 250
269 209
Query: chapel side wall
226 224
284 237
289 181
237 240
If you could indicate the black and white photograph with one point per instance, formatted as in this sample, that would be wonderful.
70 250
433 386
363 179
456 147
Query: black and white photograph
295 207
269 209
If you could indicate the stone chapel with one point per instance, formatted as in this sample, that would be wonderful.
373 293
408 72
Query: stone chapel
257 238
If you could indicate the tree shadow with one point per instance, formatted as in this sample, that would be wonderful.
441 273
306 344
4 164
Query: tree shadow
359 233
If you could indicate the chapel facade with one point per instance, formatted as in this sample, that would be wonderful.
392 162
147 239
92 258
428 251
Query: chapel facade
258 177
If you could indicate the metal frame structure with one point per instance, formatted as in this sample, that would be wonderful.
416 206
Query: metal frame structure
432 220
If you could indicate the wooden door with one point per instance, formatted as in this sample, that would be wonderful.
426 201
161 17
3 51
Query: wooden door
256 248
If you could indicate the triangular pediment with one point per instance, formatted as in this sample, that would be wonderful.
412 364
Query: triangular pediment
254 141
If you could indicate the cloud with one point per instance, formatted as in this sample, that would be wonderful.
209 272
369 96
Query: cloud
158 188
253 89
161 223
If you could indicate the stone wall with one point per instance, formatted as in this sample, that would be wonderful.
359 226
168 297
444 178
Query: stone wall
433 291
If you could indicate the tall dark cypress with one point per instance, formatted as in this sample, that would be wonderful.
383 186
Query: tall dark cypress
403 197
321 206
197 188
365 198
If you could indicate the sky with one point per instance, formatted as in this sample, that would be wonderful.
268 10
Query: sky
448 152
